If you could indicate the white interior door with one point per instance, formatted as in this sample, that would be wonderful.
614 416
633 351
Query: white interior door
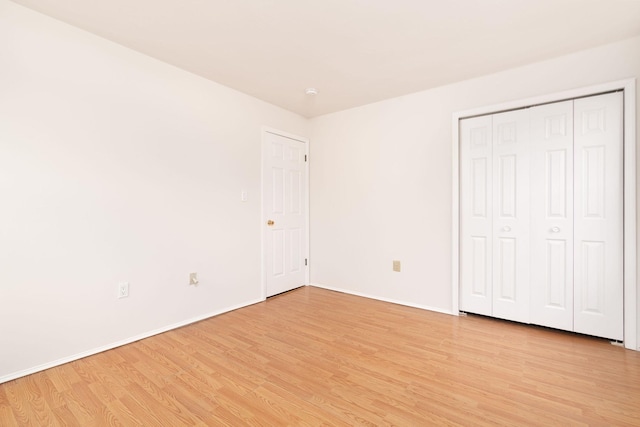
476 206
511 215
284 212
598 265
551 128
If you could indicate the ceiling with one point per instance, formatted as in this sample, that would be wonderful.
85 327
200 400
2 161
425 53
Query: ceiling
353 52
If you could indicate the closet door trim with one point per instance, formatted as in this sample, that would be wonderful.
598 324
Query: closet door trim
631 294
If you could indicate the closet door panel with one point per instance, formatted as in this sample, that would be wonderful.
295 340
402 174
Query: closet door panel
476 205
511 215
598 271
551 210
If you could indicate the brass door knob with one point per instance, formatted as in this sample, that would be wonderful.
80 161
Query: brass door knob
270 222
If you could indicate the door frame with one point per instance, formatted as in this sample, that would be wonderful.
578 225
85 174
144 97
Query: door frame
263 219
631 293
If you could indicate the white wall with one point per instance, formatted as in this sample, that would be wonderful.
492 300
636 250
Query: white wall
117 167
381 183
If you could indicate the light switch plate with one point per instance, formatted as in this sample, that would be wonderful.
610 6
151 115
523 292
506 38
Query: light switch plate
123 289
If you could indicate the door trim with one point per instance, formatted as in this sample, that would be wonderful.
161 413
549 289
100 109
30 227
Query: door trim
631 294
263 271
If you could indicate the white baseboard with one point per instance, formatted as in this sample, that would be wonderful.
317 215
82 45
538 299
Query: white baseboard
110 346
393 301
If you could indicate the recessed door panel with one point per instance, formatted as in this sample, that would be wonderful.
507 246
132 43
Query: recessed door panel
278 250
295 246
277 151
506 277
507 132
478 134
294 154
507 183
278 192
296 192
593 284
593 182
480 179
593 120
556 275
556 180
556 121
479 273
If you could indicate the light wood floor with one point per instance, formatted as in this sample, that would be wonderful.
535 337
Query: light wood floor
316 357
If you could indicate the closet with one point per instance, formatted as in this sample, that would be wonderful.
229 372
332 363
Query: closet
541 215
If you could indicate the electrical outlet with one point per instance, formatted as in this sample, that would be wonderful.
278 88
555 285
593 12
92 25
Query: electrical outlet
396 265
193 279
123 289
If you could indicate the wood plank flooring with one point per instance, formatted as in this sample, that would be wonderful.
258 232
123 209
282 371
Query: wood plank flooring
314 357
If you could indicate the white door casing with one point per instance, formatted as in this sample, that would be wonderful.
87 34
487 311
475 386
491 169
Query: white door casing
598 263
285 207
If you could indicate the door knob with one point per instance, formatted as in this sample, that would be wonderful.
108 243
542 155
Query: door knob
555 230
270 222
506 228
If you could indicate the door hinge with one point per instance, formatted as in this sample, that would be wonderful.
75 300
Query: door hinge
305 261
305 157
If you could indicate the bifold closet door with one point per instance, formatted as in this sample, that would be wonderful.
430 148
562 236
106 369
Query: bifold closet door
598 227
576 216
551 147
541 205
494 272
511 215
476 206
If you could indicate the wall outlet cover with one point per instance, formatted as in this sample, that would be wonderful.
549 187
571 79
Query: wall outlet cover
193 279
396 265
